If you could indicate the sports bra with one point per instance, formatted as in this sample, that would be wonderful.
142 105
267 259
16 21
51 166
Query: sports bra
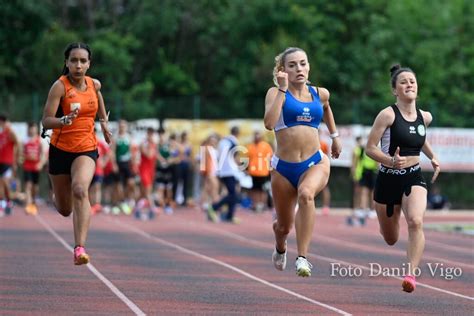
409 136
295 112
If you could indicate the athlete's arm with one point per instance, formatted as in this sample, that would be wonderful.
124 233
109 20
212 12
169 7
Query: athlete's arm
328 118
50 120
274 101
383 121
273 105
102 113
428 150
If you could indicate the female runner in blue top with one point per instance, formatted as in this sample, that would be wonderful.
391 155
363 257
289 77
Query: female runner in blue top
294 109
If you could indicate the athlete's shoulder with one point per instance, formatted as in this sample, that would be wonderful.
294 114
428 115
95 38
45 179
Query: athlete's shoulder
272 91
427 117
386 115
59 87
323 93
97 84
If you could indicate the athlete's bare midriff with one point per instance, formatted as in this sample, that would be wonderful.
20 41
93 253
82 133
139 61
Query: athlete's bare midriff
297 143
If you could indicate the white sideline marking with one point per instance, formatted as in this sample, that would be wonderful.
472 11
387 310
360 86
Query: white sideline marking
99 275
228 266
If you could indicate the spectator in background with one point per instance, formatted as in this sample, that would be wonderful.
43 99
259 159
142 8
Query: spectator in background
10 152
436 200
208 168
185 167
259 153
227 172
33 161
356 172
363 171
126 188
95 190
148 152
164 173
367 184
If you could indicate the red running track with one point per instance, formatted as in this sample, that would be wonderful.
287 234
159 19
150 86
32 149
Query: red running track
184 265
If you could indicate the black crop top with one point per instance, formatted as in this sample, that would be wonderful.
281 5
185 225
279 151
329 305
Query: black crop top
409 136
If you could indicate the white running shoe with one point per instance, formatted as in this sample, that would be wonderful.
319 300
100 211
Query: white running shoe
303 267
279 260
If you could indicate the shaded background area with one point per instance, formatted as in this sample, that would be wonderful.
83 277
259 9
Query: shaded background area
213 59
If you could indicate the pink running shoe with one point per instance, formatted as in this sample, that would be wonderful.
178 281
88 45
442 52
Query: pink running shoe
80 256
409 283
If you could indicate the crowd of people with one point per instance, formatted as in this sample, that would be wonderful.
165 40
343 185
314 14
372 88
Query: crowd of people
144 178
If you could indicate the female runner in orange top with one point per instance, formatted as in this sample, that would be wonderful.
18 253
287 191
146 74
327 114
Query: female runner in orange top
73 102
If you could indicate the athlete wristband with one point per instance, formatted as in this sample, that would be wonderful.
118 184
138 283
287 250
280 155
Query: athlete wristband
281 90
334 135
106 119
65 120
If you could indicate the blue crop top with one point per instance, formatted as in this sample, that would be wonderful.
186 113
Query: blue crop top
295 112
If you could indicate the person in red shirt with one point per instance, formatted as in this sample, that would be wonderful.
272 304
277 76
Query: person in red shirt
33 161
148 157
73 103
9 154
95 190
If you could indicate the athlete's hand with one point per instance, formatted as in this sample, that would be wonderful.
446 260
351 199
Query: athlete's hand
107 133
67 119
336 148
282 79
436 168
398 161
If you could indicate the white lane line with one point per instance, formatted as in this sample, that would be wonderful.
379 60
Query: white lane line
228 266
99 275
327 259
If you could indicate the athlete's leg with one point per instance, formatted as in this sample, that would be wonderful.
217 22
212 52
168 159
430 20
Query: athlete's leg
311 183
284 200
61 184
414 206
389 226
82 171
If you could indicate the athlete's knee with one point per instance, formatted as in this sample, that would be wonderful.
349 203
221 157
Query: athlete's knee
79 191
390 239
305 196
282 229
415 223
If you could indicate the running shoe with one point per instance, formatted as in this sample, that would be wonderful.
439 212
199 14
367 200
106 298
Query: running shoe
96 208
279 259
80 256
325 210
303 267
409 283
126 209
33 209
211 214
116 210
8 208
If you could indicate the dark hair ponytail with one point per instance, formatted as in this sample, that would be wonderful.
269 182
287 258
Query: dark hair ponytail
68 50
395 70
